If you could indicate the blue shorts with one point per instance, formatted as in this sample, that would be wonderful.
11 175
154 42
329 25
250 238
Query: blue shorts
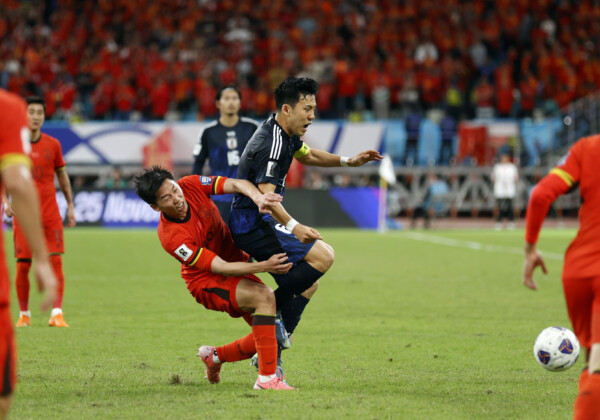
271 238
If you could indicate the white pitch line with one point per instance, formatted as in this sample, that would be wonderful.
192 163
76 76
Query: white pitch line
478 246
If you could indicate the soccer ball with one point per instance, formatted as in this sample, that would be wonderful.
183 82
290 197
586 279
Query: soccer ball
556 349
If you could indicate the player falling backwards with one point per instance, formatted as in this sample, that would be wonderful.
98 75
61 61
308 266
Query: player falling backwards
47 158
581 271
222 143
214 268
265 162
15 176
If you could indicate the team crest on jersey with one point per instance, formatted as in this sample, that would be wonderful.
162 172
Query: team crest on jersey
205 180
231 140
271 169
184 252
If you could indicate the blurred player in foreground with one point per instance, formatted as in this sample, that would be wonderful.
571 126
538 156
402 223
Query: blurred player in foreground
265 162
214 269
46 154
222 143
581 272
16 178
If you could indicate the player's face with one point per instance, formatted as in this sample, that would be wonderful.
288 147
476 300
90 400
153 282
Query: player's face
302 115
230 103
35 116
170 200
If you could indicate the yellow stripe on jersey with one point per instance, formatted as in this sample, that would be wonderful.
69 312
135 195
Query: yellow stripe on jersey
62 168
564 175
11 159
197 256
303 151
214 185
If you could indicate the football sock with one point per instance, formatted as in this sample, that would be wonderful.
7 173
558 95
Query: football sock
263 329
296 281
26 313
292 312
586 404
241 349
22 283
585 374
56 311
56 261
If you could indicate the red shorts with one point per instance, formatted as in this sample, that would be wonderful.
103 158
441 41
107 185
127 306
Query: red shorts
583 304
8 354
53 232
218 293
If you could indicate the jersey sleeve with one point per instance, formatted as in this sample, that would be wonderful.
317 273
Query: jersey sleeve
59 161
266 160
559 181
182 247
209 185
200 153
14 135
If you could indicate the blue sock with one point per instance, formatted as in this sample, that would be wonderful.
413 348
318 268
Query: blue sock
292 312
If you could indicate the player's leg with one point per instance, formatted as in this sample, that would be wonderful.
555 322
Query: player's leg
54 241
583 305
22 285
7 362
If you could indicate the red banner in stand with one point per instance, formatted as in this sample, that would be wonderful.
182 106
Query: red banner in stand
159 151
472 143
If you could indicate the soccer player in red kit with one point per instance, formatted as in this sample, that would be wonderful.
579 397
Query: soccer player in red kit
47 158
581 272
215 270
16 178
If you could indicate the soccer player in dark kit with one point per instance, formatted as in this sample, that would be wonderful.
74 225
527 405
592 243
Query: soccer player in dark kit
265 162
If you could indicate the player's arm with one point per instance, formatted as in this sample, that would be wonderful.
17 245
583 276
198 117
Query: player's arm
20 186
316 157
304 233
557 182
276 264
65 186
264 202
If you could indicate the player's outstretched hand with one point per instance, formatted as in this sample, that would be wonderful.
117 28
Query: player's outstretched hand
277 264
364 157
533 259
267 201
306 234
8 209
45 274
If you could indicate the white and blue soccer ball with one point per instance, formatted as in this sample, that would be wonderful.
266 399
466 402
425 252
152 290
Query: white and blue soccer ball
556 349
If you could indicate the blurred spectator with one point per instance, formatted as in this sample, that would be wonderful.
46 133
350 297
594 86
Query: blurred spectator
433 202
115 180
449 128
413 129
505 176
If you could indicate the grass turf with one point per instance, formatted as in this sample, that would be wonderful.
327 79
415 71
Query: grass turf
404 326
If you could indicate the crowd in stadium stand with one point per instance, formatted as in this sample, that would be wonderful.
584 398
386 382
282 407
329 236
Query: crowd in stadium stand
157 59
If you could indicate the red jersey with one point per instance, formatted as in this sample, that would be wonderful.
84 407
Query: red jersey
14 143
582 258
47 158
202 235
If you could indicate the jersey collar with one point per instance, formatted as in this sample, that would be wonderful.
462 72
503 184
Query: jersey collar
187 216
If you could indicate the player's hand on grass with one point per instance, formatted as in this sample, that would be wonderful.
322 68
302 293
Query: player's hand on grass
306 234
364 157
71 221
277 264
533 259
45 274
267 201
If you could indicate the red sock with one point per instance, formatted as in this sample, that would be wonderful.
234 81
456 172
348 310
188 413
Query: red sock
263 329
586 403
22 283
585 374
241 349
56 261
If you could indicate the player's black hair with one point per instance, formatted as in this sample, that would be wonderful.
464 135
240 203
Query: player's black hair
148 183
292 89
35 100
224 88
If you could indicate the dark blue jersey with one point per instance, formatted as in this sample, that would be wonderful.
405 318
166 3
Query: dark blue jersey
266 159
222 146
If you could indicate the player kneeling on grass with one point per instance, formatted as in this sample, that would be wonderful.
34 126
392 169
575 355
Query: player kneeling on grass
215 270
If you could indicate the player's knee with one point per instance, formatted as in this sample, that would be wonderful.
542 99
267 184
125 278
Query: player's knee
328 256
265 297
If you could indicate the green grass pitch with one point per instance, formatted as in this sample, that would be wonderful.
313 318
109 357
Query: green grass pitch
406 325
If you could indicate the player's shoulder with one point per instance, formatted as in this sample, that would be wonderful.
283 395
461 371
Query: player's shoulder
249 121
9 100
206 128
49 139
